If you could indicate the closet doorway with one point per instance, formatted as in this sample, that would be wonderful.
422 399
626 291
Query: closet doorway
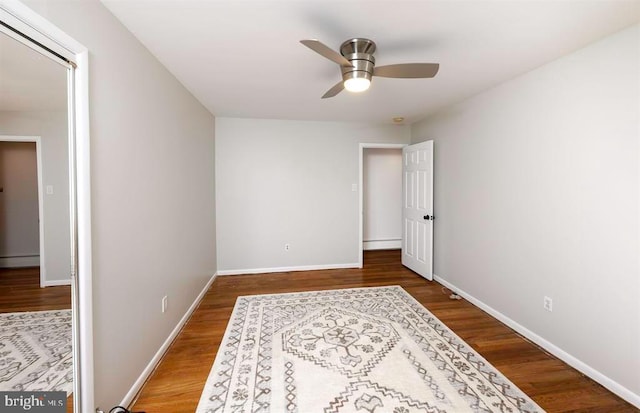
380 197
28 44
36 315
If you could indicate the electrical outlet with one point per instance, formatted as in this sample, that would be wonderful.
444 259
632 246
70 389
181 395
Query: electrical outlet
165 303
287 247
548 304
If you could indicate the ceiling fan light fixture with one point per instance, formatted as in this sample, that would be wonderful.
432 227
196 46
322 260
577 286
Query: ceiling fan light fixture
357 84
358 65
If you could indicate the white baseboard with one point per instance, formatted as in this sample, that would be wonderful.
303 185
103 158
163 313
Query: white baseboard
131 394
54 283
289 269
387 244
579 365
18 262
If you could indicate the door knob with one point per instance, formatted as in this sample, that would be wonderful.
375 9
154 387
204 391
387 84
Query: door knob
429 217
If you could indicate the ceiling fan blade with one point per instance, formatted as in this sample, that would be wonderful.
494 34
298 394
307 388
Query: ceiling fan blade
334 90
326 51
407 70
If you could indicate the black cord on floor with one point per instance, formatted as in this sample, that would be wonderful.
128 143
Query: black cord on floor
120 409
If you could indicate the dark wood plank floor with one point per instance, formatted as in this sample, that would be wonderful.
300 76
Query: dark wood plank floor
177 383
20 291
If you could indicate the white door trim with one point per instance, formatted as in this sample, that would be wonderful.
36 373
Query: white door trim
364 146
38 143
17 15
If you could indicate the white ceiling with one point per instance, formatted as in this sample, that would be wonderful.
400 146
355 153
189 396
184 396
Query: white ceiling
243 58
29 80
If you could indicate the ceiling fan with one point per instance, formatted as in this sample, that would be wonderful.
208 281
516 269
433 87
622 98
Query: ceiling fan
358 65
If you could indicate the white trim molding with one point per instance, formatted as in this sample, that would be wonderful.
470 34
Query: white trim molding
382 244
20 262
289 269
55 283
577 364
130 397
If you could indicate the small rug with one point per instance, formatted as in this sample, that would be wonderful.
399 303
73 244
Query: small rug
365 350
35 351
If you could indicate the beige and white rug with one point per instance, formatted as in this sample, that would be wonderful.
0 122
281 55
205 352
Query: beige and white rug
35 351
366 350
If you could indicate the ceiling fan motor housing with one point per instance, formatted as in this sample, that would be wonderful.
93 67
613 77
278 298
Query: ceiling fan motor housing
359 52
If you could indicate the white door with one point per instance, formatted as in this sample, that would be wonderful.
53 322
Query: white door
417 208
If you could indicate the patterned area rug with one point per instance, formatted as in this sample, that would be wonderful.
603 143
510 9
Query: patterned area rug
365 350
35 351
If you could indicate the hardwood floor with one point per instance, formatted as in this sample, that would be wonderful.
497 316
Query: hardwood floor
177 383
20 291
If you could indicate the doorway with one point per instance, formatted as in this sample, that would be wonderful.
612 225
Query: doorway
35 241
380 183
34 217
416 198
20 204
382 191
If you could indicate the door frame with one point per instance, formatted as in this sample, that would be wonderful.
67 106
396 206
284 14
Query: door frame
17 16
37 140
364 146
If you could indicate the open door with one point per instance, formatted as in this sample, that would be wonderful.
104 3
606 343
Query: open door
417 208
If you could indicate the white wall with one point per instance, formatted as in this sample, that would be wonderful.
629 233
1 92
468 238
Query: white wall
280 181
536 193
51 126
153 197
382 188
19 230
